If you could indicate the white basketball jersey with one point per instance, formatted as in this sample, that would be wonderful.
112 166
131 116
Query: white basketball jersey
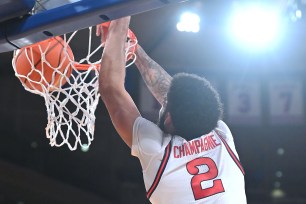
203 170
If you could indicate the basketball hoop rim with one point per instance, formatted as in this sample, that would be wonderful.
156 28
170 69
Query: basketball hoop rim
83 67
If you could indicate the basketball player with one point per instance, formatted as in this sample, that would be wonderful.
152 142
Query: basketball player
190 156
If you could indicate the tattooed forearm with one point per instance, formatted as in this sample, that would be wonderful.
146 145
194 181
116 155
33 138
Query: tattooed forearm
155 77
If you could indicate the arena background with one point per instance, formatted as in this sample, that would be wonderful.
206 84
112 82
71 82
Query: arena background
264 99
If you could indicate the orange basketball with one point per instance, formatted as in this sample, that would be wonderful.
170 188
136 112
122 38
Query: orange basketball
37 72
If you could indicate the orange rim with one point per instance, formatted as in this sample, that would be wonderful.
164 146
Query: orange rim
85 67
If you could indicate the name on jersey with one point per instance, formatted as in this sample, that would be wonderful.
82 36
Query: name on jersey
195 146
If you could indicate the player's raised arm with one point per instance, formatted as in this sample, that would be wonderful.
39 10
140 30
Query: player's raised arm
155 77
121 107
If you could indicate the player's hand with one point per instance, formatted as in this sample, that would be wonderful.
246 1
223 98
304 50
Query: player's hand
112 26
118 26
102 30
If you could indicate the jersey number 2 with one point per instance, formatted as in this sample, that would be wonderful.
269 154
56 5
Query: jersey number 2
198 178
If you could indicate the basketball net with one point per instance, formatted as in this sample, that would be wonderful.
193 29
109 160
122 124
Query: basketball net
71 94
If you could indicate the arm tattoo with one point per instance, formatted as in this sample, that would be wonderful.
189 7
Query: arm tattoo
155 77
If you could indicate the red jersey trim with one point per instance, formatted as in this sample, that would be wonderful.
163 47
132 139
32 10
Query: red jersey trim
231 153
160 171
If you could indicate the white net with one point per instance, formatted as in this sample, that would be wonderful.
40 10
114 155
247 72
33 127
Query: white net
69 86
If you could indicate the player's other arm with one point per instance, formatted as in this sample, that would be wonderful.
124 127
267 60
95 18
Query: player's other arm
121 107
155 77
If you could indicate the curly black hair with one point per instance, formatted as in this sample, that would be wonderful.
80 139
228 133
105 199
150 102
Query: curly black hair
194 105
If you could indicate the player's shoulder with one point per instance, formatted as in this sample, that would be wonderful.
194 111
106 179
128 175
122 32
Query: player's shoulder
221 125
149 138
223 130
142 124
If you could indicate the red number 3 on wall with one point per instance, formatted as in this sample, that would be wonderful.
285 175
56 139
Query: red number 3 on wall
197 179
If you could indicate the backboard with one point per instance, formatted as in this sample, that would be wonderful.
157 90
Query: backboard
31 21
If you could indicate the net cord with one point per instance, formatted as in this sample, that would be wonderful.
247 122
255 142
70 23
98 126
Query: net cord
71 104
